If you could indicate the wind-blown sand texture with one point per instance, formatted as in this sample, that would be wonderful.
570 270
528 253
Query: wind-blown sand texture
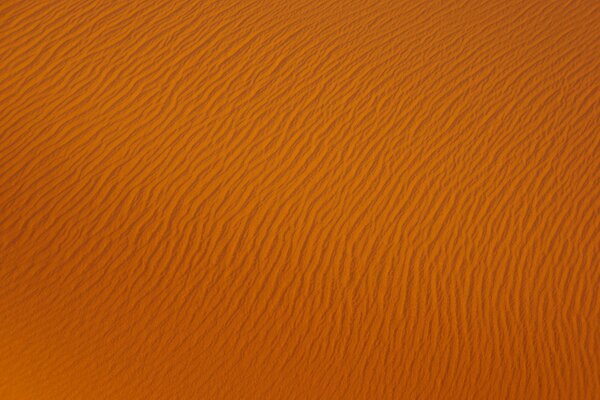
300 199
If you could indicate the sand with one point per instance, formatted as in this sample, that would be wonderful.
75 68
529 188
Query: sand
299 199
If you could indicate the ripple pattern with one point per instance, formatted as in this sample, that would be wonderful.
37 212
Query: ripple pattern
268 199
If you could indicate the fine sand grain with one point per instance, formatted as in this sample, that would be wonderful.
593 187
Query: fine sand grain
325 199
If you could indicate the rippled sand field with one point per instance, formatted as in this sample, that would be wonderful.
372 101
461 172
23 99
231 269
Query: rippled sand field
300 199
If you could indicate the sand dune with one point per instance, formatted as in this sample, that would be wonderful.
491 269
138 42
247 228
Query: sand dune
300 200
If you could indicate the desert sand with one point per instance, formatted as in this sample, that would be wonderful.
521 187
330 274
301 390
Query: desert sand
299 199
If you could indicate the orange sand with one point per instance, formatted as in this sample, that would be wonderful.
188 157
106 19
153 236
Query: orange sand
300 199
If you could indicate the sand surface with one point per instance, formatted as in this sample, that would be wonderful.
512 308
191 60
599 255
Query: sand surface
300 199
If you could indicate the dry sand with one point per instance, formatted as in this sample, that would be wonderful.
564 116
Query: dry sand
299 199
